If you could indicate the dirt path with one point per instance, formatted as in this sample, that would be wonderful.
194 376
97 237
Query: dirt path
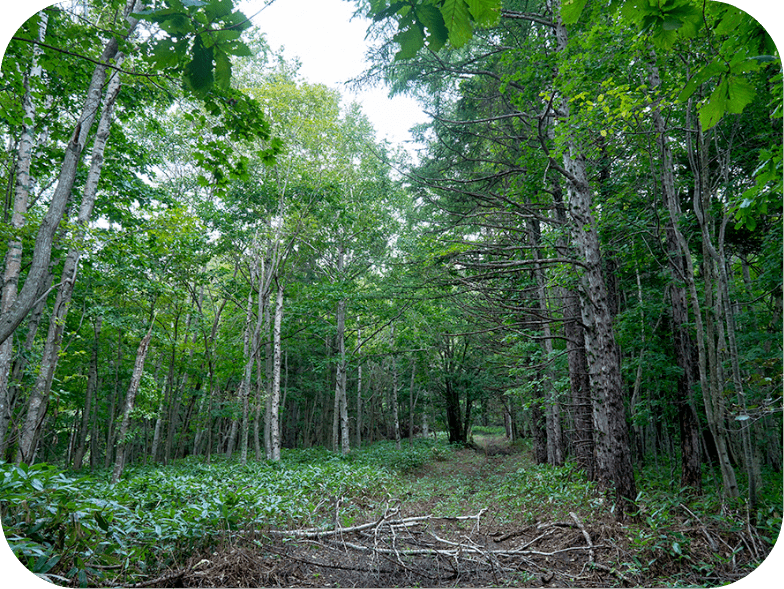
455 522
438 529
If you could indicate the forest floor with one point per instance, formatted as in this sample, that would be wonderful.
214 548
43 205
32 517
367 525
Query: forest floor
483 516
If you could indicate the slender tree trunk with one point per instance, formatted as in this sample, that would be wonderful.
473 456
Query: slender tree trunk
13 259
706 338
17 370
244 390
340 418
275 397
411 402
92 384
579 382
358 441
40 394
262 384
130 399
113 403
552 407
393 398
10 319
691 475
538 424
156 436
613 453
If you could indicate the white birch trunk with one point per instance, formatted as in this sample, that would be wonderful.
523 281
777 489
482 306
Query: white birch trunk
130 399
42 251
13 259
39 396
276 362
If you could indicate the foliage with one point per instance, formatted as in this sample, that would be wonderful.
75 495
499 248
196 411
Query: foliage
63 527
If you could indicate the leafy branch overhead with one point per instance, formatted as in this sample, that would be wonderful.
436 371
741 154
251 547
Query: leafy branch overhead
434 22
202 38
744 45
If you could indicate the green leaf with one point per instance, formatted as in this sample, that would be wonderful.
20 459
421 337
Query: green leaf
457 21
672 23
712 110
389 11
177 25
222 70
740 92
102 523
198 76
729 21
431 18
218 8
663 38
571 10
411 40
487 13
702 76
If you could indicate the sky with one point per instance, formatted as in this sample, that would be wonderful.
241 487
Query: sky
331 46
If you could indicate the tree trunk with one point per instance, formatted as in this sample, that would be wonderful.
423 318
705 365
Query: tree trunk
688 424
613 454
92 384
453 418
579 382
340 435
42 250
411 402
244 390
552 408
276 362
39 396
538 424
13 259
130 398
18 368
113 404
709 365
394 400
358 441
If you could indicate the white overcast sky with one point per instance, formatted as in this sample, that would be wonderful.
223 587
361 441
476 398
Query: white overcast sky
331 46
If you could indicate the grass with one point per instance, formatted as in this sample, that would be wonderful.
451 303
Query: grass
80 530
70 528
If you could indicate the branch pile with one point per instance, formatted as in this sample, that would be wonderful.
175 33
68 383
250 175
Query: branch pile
429 550
462 551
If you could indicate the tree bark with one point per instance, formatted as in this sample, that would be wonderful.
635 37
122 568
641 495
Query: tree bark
276 364
130 398
13 259
613 453
92 384
358 441
42 251
39 396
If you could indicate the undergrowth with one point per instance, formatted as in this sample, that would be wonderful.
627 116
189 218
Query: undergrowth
80 529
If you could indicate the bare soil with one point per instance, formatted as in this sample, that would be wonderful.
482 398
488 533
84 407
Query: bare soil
407 546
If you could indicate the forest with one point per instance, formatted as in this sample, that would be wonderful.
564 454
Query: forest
245 342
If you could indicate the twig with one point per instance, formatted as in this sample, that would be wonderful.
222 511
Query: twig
704 530
158 580
585 535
